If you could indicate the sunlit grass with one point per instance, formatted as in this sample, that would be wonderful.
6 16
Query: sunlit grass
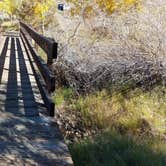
63 95
103 109
42 54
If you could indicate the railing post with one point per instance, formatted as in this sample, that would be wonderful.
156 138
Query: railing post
52 54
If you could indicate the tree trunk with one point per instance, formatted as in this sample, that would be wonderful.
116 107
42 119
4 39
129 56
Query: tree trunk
11 19
43 27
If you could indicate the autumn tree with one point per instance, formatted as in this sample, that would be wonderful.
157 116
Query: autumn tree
10 7
37 11
40 9
108 6
26 7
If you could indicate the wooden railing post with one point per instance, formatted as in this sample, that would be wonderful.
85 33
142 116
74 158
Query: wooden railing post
52 54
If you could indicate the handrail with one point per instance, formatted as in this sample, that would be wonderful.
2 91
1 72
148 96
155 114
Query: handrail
46 73
45 78
47 44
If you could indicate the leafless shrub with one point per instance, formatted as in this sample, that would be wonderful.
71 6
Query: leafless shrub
135 52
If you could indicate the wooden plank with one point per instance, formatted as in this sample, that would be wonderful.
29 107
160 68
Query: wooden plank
21 110
18 103
47 44
2 57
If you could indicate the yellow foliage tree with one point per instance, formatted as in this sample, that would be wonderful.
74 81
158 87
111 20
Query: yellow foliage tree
10 7
108 6
40 10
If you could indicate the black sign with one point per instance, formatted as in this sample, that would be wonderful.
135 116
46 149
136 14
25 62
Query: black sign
61 7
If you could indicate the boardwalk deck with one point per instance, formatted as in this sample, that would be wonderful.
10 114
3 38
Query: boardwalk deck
26 136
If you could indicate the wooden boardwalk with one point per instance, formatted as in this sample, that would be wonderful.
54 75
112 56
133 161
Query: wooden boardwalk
27 137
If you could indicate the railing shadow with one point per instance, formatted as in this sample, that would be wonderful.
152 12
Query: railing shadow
11 102
18 94
26 85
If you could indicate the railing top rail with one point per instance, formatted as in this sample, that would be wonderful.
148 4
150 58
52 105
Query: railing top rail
47 44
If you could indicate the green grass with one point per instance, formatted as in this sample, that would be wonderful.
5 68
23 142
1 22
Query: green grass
63 95
42 54
113 149
132 124
102 109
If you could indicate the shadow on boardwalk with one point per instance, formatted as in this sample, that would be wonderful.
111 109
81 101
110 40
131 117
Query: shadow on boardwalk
31 141
26 136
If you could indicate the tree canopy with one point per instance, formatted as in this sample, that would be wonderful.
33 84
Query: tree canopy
10 6
36 11
108 6
38 8
23 8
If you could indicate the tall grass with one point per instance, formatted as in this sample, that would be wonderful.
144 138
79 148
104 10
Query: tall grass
132 124
112 149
